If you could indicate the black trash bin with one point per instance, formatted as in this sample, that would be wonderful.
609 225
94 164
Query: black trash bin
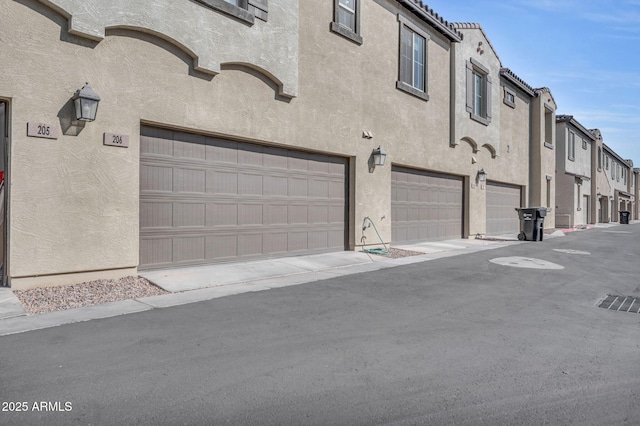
624 217
531 223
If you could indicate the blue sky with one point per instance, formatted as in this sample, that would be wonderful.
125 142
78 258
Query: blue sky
585 51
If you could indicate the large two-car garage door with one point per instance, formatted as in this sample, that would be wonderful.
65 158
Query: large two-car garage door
502 200
206 200
425 205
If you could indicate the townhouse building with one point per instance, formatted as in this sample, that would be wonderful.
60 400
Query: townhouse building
508 129
247 130
619 192
573 172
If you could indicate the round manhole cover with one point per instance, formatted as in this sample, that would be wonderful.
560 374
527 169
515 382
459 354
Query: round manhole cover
525 262
570 251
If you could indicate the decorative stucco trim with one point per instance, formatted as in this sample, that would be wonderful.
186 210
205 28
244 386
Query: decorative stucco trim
269 49
471 142
546 91
475 26
491 149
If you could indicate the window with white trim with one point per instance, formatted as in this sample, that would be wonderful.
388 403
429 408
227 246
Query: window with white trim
346 19
413 59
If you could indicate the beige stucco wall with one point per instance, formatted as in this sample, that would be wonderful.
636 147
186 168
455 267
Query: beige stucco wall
201 32
73 205
74 202
501 148
543 156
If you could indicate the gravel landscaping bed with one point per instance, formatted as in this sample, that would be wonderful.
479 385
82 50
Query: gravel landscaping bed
50 299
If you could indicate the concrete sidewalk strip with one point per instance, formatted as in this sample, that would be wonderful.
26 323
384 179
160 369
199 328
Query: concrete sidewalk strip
176 299
10 305
53 319
193 278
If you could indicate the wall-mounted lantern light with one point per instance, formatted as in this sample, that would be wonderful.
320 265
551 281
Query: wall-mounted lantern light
482 175
86 103
379 155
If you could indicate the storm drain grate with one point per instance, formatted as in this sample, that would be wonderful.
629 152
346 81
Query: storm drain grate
621 303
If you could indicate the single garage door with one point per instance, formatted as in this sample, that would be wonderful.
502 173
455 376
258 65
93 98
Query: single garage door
425 206
206 200
502 200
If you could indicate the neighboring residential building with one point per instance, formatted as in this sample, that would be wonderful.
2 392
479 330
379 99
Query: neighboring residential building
573 172
601 189
500 124
619 174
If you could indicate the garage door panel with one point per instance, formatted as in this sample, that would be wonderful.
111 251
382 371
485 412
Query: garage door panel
425 205
222 182
221 151
220 247
502 200
189 214
225 200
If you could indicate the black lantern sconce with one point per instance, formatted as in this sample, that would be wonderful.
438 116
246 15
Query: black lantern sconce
86 102
482 176
379 155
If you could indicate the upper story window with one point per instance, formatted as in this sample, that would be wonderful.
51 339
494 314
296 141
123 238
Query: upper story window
413 59
548 127
613 169
244 10
584 144
346 19
607 162
478 92
599 158
509 98
571 148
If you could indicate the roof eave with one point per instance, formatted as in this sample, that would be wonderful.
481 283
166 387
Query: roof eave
433 19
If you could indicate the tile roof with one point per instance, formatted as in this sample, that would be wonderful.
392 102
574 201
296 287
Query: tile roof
564 118
424 12
511 76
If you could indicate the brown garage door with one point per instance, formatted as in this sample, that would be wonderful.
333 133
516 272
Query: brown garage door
425 206
502 200
206 200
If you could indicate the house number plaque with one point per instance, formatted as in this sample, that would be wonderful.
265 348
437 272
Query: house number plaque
113 139
42 130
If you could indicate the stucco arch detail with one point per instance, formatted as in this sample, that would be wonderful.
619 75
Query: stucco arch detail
491 149
269 48
471 142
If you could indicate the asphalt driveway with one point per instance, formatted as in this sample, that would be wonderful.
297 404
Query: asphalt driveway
457 340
